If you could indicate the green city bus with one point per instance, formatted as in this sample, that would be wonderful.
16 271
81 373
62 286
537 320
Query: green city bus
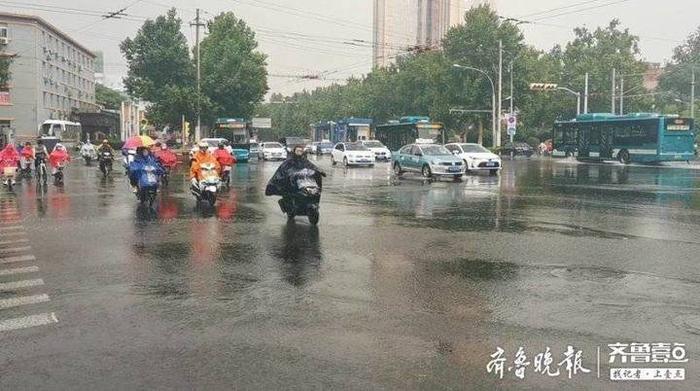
410 130
639 137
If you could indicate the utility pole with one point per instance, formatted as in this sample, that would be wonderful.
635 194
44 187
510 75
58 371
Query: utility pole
692 94
622 94
500 94
585 96
612 100
511 87
197 132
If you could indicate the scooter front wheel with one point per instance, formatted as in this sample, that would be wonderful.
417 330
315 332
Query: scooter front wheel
314 216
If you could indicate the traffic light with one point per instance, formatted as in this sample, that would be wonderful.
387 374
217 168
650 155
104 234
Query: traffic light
186 130
543 86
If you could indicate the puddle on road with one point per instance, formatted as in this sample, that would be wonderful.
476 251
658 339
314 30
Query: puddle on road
482 270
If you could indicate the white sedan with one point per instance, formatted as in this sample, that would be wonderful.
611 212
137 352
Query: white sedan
352 154
380 151
476 157
272 151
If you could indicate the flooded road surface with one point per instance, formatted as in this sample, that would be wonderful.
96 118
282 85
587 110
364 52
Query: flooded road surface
404 284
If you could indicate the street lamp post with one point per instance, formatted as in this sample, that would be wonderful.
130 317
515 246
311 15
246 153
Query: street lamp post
578 98
493 98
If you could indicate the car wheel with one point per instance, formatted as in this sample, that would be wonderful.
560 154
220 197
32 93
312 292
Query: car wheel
457 178
624 157
397 169
345 161
371 165
493 172
569 153
333 162
314 217
426 171
466 167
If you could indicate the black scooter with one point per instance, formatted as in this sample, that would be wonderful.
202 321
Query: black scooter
305 198
106 160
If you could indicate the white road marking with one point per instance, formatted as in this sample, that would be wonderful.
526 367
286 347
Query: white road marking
19 270
19 258
23 300
10 228
16 233
15 241
15 249
6 286
28 321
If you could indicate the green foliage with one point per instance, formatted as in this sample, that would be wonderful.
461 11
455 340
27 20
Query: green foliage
427 84
234 76
160 69
5 62
675 83
109 98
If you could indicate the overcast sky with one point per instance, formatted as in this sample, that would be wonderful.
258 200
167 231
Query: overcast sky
309 37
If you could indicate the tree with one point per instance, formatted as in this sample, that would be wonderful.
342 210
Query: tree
109 98
598 53
676 80
234 76
160 69
5 75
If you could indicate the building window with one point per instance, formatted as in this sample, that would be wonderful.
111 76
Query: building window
5 98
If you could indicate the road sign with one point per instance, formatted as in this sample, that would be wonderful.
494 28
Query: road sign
262 123
512 123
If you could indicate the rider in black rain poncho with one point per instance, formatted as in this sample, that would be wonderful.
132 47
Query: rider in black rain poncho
280 183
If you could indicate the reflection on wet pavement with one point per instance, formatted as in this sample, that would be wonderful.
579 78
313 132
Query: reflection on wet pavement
405 283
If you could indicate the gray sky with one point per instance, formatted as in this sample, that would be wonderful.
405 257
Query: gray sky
303 37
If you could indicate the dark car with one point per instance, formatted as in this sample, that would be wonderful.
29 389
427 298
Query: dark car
515 149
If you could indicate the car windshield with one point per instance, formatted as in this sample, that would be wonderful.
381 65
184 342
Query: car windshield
434 150
355 147
374 144
474 148
273 145
213 143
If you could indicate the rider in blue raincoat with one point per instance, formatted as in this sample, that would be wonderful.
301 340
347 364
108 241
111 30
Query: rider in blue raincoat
142 159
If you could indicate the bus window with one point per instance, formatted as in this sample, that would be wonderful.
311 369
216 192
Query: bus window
558 134
570 134
594 138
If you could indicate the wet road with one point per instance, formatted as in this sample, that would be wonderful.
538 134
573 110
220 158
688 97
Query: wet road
404 284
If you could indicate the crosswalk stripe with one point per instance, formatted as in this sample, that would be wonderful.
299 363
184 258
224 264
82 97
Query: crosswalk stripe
7 286
28 321
15 249
15 241
18 258
10 228
23 300
14 233
19 270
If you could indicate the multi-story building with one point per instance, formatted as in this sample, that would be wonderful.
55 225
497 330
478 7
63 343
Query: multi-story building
401 26
52 75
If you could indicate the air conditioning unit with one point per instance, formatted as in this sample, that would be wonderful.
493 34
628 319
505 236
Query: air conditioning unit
4 40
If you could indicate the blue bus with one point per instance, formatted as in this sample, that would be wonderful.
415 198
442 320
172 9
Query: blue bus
639 137
344 130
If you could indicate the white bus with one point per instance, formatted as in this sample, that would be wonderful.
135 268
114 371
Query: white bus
53 131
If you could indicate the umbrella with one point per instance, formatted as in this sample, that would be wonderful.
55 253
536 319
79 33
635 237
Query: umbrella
138 141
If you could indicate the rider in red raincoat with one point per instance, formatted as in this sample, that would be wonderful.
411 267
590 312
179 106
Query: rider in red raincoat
224 157
165 156
9 157
58 157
